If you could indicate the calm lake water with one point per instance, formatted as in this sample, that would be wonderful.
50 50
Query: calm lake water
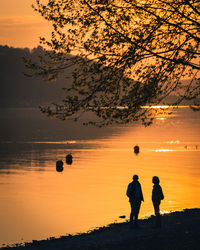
38 202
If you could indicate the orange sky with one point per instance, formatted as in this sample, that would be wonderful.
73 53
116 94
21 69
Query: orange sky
20 25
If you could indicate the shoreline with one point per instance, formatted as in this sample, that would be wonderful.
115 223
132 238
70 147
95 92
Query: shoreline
180 230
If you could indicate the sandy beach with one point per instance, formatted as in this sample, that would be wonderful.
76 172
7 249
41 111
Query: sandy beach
180 230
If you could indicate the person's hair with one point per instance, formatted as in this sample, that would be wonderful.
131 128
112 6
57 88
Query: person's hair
135 177
155 180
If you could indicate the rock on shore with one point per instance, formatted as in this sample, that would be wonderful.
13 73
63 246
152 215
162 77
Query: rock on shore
180 230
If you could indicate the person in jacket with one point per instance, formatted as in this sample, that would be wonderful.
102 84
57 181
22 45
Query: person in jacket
134 192
157 196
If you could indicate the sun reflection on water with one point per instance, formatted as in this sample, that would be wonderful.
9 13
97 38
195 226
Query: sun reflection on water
174 142
160 118
91 192
163 150
165 212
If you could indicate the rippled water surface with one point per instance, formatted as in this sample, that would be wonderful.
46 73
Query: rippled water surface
38 202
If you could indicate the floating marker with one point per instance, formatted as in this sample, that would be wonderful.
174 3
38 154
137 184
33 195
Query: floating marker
136 149
59 166
69 159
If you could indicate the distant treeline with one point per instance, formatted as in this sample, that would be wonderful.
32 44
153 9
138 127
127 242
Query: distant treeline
17 90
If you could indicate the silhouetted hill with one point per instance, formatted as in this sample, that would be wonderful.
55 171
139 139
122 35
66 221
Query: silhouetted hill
17 90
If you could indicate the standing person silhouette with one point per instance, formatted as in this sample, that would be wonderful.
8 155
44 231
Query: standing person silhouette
134 192
157 196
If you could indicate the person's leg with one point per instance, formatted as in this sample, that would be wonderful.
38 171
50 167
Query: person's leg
157 213
132 212
156 207
137 209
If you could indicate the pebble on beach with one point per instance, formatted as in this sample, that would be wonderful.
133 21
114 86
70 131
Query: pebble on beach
122 216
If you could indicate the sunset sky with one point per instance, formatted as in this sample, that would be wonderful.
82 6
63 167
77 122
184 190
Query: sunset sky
20 25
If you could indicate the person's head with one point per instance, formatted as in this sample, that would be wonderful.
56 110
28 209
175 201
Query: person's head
155 180
135 177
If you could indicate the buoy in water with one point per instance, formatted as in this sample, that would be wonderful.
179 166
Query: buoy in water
59 166
69 159
136 149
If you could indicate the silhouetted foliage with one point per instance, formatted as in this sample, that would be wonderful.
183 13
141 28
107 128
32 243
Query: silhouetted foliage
129 54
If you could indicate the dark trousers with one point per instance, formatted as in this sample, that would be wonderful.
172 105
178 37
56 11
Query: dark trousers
135 208
156 205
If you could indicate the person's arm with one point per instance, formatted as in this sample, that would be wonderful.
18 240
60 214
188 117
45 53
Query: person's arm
142 198
128 191
161 194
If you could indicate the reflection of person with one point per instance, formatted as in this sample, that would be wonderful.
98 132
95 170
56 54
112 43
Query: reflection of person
134 192
157 196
